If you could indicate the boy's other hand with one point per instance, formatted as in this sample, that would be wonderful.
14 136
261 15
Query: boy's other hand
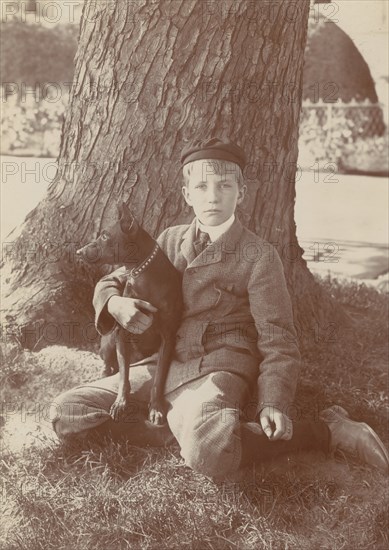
133 314
275 424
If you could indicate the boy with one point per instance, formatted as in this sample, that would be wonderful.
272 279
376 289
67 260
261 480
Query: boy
236 335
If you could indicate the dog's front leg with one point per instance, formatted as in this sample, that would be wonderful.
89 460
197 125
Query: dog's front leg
156 407
119 406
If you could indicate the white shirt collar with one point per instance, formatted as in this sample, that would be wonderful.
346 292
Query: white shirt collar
215 231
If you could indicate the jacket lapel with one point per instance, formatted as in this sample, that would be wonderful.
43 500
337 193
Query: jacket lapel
188 238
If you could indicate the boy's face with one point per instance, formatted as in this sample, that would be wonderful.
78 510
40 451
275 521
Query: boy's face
213 197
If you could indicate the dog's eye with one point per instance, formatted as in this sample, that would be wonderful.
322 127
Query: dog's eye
104 236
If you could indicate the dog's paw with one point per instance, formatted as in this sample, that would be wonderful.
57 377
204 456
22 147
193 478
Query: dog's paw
156 417
118 410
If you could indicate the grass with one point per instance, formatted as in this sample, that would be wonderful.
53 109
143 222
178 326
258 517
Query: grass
115 496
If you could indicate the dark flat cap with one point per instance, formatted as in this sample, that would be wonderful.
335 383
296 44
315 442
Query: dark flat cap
213 148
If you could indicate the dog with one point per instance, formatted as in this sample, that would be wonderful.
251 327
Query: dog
154 279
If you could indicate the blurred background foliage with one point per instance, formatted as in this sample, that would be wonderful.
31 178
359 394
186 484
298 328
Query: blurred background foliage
331 57
342 123
37 54
37 70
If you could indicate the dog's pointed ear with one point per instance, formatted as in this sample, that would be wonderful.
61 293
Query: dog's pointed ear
127 220
125 211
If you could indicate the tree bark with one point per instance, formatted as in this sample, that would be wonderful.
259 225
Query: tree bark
149 76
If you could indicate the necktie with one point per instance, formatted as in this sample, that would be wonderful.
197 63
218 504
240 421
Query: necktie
202 242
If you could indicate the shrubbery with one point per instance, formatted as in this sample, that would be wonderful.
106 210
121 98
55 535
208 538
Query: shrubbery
335 73
367 155
334 68
35 54
338 139
33 130
31 57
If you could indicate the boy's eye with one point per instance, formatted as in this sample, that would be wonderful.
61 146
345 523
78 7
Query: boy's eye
200 186
225 186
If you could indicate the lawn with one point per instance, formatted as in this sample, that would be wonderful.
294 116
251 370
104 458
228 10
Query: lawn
113 496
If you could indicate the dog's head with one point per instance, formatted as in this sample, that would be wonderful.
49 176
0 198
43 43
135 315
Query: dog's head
117 244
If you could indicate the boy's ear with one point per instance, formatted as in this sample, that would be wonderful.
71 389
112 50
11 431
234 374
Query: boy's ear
186 194
242 194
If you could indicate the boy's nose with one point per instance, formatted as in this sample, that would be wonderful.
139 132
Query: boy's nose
212 195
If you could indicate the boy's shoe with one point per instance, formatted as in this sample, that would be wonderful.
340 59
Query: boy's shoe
355 438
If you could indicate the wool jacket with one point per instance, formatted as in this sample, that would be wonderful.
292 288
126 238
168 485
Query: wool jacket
237 312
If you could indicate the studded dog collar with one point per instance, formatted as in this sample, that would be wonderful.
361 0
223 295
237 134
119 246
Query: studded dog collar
138 270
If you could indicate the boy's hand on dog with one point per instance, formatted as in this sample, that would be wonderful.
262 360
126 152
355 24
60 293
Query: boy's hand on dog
133 314
275 424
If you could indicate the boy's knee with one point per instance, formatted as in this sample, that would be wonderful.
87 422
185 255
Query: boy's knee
214 447
59 414
72 414
62 420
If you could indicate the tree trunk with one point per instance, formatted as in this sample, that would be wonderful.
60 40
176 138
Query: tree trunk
149 76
